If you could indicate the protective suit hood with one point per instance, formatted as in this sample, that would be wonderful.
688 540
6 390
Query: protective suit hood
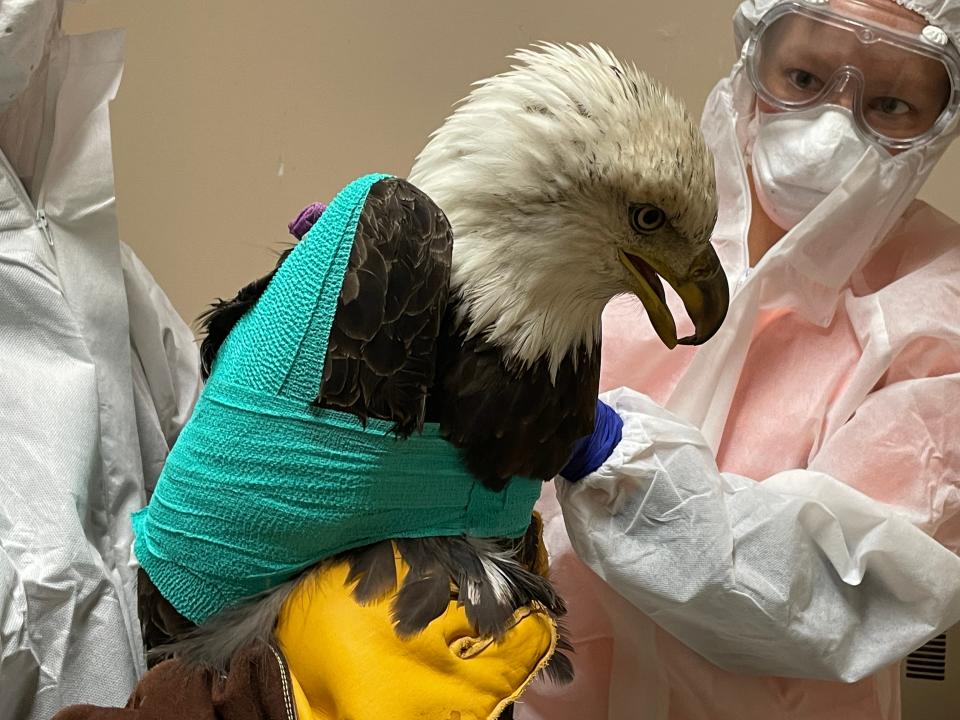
728 123
822 253
30 39
26 30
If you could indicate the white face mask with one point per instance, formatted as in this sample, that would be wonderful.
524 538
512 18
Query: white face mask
799 158
25 27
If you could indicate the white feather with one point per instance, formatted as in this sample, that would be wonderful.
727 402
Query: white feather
498 580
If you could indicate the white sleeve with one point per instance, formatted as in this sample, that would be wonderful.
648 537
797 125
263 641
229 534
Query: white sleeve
798 576
165 364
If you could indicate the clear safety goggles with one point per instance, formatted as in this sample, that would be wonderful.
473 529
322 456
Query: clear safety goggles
902 88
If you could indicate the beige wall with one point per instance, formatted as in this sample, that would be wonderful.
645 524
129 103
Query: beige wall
235 114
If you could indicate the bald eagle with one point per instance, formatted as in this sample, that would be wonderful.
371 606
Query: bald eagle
473 298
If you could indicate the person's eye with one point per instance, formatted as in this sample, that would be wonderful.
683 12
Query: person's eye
891 106
804 80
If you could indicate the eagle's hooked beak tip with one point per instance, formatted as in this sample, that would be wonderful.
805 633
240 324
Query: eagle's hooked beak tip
706 300
704 292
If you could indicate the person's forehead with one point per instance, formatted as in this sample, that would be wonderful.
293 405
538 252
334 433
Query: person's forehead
885 12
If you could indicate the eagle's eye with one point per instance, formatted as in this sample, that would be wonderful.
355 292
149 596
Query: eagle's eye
646 219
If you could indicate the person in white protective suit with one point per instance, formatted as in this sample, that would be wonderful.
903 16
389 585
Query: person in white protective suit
779 524
97 374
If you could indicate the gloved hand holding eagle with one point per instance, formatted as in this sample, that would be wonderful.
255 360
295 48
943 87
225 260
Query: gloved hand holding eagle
382 407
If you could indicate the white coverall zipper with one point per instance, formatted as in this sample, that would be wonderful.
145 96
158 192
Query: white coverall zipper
44 226
39 216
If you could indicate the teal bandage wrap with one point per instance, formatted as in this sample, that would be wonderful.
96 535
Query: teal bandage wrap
261 484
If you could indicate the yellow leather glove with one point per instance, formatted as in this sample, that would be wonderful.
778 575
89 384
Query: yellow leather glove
347 662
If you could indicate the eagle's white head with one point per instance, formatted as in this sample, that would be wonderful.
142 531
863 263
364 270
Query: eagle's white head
568 180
